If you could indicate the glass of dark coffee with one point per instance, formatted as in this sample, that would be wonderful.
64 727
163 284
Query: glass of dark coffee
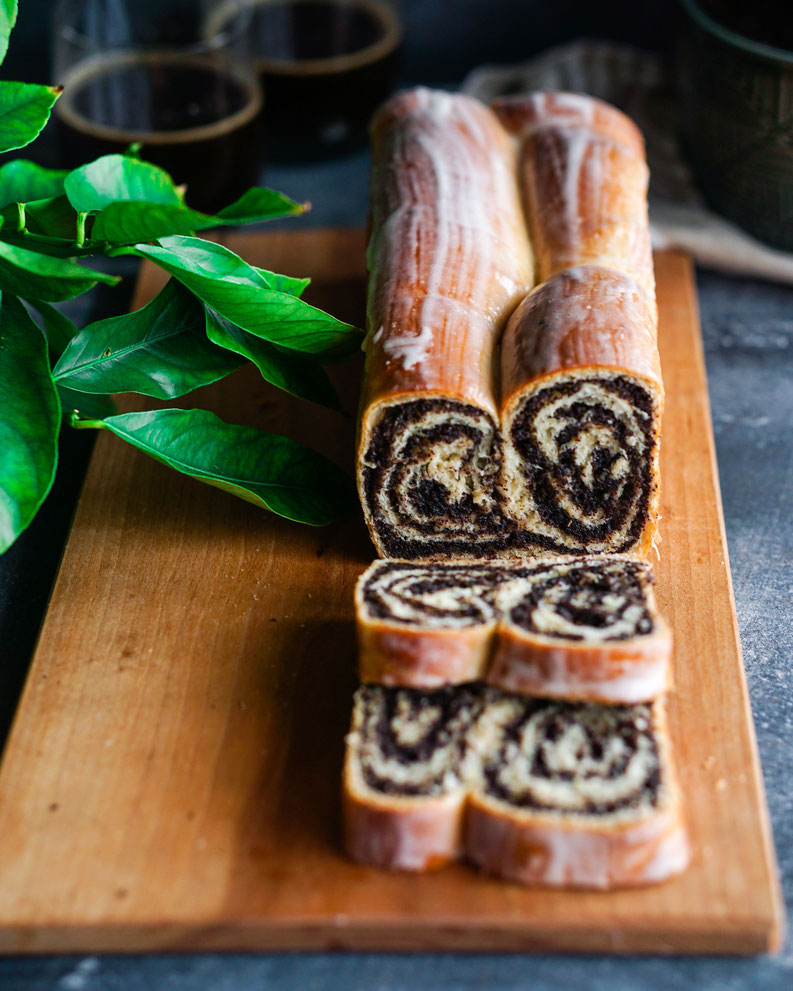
324 66
148 71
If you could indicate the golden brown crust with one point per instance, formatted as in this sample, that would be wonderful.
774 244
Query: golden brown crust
584 185
400 834
586 199
514 661
586 318
532 852
610 672
525 115
448 253
392 655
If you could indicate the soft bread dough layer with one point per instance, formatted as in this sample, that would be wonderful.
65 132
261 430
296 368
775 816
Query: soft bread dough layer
571 758
584 459
409 742
567 759
598 600
441 482
593 599
429 478
448 597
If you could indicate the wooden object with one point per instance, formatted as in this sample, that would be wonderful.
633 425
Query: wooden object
172 778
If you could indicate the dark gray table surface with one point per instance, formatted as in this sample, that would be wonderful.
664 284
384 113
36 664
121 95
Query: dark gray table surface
748 332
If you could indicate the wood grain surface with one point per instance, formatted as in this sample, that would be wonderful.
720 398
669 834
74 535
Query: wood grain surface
172 776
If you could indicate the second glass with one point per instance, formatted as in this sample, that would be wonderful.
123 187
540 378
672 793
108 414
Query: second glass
324 66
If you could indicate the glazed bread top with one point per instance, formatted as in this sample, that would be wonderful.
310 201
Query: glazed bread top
473 206
587 316
448 252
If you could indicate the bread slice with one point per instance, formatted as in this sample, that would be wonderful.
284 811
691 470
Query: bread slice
582 628
576 628
425 625
575 795
404 790
535 791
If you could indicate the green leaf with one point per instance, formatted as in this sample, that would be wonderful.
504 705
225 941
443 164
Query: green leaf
284 283
54 216
22 181
58 328
132 221
10 215
295 374
29 273
263 468
119 177
8 17
44 244
160 350
83 404
238 292
194 256
258 204
29 420
24 110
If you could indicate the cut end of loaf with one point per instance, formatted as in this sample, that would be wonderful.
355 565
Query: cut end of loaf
575 627
427 478
579 469
588 788
575 472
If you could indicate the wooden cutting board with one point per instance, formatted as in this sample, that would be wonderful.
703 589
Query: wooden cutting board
172 776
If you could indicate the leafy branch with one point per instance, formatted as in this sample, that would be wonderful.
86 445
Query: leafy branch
214 314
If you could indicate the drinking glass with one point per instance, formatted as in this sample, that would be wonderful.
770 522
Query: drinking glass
324 66
148 71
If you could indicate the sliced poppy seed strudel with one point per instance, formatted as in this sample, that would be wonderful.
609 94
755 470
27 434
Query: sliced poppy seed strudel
539 792
405 784
458 207
575 795
581 390
572 628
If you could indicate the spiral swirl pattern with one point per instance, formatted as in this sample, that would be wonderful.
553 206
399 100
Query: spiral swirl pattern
429 480
412 742
577 758
570 758
578 465
597 600
448 596
574 474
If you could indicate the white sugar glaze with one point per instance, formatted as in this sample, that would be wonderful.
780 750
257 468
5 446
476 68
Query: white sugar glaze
576 143
409 350
557 676
451 230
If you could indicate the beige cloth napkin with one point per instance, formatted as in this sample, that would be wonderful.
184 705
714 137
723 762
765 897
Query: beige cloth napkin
640 84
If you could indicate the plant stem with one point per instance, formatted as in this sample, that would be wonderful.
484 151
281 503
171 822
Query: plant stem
80 424
20 217
80 240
